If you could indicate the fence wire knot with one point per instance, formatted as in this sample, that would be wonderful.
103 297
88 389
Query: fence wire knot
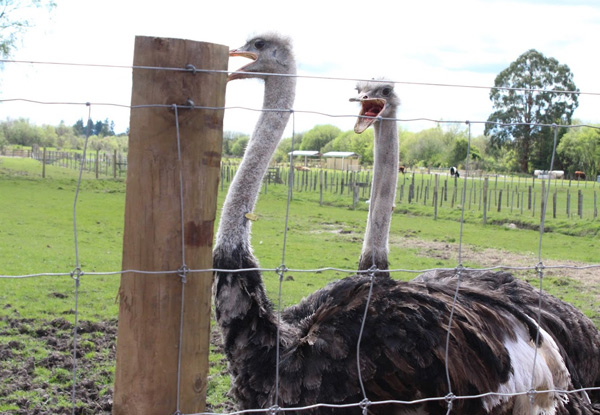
76 273
182 272
531 394
372 270
280 270
539 268
450 398
364 405
275 409
191 68
459 269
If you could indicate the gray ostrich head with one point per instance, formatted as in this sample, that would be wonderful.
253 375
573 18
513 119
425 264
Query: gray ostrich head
270 53
377 99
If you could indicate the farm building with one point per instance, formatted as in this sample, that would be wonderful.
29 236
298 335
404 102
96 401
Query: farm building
342 160
306 154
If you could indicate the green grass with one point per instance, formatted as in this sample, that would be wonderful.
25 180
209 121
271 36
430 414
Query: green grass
36 231
37 236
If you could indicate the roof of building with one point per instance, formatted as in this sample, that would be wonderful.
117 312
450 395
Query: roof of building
308 153
340 154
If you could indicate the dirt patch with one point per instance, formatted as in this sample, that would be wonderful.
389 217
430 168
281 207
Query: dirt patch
486 257
36 366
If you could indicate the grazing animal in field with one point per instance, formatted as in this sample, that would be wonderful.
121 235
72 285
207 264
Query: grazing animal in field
580 175
402 353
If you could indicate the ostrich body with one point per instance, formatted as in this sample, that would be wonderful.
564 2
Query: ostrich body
379 104
403 346
576 336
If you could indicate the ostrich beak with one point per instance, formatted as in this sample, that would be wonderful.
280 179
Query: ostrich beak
239 74
370 108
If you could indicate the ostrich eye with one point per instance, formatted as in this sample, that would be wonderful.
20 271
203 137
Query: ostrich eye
259 44
386 91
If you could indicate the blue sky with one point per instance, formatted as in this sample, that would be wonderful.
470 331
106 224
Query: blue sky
466 42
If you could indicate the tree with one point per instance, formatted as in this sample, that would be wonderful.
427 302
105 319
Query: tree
526 94
319 136
426 148
361 144
458 152
579 149
15 18
238 148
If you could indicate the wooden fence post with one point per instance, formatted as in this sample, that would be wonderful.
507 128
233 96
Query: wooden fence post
44 164
485 199
97 162
114 166
151 308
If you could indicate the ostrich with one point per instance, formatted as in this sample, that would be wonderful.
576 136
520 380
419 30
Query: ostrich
403 346
576 336
379 104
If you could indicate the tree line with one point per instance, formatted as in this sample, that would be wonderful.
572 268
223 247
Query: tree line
436 147
22 132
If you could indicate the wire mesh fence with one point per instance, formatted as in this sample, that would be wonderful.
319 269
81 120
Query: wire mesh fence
465 193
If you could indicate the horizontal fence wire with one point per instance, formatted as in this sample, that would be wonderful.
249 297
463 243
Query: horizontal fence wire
192 69
79 274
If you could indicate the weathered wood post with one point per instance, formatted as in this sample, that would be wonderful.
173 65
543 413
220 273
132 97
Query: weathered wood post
151 306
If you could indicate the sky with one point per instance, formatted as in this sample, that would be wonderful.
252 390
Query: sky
415 43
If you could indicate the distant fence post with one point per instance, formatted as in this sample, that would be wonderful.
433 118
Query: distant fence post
151 306
96 168
114 166
485 199
44 164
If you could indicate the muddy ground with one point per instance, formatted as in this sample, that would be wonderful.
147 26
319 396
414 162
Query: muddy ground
40 384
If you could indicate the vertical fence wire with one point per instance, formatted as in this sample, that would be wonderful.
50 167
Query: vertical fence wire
184 268
76 274
281 270
540 266
365 403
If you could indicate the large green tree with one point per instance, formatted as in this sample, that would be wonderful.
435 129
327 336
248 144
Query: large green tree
527 94
16 16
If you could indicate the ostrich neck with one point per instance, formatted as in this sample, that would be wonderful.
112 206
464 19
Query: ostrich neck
383 193
242 308
234 227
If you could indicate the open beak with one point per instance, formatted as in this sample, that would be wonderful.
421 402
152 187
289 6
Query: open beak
240 72
370 108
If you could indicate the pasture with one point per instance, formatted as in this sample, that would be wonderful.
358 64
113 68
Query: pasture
37 236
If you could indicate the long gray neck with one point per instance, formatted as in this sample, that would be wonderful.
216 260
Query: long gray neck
383 193
234 227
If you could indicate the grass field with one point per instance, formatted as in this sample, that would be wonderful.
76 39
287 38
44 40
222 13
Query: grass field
37 236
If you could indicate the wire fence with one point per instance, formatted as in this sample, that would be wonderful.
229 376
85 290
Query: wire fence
536 268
